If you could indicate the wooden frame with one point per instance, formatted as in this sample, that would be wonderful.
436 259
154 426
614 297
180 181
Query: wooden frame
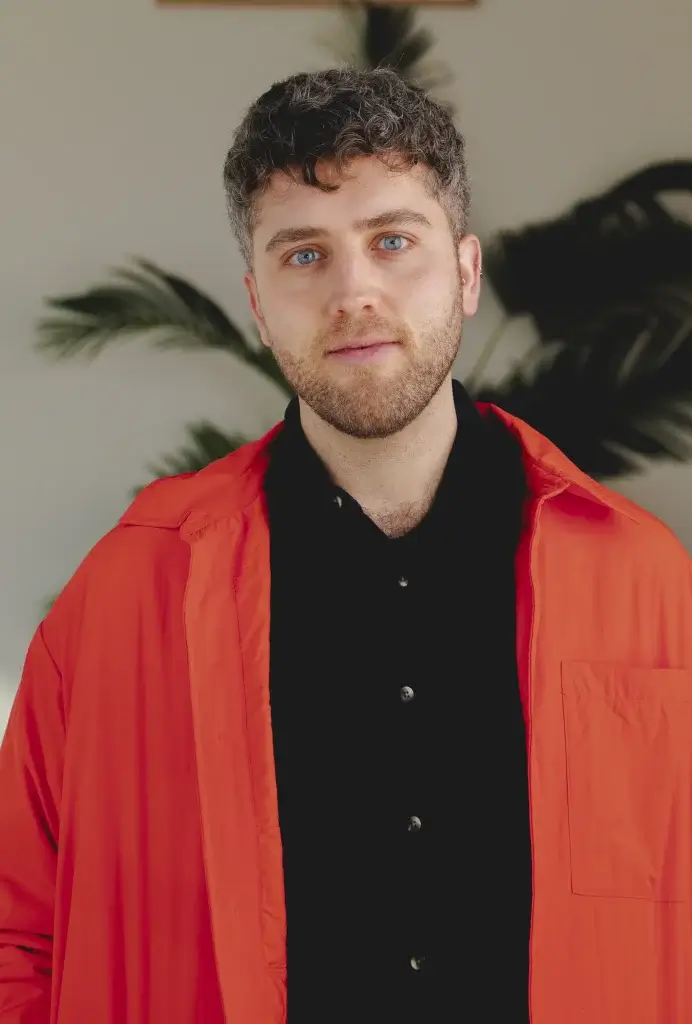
307 3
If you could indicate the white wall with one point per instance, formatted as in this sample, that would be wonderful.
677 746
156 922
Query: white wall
116 115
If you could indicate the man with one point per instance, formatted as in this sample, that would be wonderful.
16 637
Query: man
386 716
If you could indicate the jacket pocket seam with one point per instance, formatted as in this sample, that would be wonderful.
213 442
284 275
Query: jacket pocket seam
660 688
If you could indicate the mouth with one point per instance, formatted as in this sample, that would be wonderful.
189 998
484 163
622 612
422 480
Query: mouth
364 350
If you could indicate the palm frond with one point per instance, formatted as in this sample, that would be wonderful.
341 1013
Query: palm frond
206 443
380 35
146 299
624 246
625 395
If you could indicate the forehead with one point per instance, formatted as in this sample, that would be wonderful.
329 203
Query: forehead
366 187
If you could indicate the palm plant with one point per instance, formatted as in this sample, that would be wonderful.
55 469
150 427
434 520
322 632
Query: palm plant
147 300
608 287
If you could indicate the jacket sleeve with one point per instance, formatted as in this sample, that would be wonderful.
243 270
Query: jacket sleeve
31 760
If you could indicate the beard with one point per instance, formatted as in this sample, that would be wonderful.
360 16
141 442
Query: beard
373 400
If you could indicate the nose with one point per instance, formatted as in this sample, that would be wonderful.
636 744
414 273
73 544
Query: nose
354 288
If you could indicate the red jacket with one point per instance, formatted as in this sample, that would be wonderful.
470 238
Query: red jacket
140 853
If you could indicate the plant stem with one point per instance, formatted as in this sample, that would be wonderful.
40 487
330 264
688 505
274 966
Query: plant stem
473 378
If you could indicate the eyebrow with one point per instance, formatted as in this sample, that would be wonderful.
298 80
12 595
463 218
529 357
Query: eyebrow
286 236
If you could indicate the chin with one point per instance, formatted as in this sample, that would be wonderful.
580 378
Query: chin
368 418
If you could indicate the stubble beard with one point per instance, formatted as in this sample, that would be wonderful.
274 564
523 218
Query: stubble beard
366 402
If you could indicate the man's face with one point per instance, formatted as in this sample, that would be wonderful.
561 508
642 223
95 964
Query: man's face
373 260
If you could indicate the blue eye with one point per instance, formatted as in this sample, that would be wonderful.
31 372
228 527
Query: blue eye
296 260
302 252
399 237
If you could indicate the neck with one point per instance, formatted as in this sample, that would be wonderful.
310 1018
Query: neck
394 479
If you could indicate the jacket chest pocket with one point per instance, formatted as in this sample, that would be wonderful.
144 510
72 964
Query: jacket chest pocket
628 735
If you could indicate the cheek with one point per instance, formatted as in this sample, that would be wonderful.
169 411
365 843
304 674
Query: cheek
295 303
289 327
427 293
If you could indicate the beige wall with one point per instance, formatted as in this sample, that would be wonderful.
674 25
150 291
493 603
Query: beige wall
115 118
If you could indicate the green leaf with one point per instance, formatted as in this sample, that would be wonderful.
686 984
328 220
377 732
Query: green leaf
624 246
626 395
381 35
147 299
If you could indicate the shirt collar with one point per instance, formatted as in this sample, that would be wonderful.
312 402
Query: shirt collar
296 469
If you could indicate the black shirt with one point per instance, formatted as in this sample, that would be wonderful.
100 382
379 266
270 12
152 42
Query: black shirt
399 740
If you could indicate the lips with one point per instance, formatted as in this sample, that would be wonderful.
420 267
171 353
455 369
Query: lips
362 343
373 352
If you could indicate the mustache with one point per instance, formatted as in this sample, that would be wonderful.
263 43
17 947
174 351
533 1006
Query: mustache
345 330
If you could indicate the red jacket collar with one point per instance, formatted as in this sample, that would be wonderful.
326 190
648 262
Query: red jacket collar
227 486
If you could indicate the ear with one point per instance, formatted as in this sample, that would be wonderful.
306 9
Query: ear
471 268
251 285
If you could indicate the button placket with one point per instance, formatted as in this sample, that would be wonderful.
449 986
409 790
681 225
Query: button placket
414 823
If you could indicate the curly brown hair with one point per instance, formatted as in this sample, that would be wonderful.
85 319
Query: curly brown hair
337 115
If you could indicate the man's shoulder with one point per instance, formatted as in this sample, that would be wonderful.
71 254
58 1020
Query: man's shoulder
633 541
649 527
145 555
222 488
640 532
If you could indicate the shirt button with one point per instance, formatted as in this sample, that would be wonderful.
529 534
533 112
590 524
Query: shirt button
414 824
417 962
406 693
338 500
403 582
